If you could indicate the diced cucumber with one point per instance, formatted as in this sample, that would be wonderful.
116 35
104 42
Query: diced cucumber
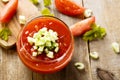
50 54
41 48
39 52
46 50
56 49
35 47
39 42
43 30
31 40
22 19
36 35
48 44
34 54
45 41
55 44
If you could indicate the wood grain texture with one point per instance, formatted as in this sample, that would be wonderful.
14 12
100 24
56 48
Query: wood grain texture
11 67
80 53
107 15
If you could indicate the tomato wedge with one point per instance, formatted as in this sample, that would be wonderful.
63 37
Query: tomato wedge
8 11
81 27
68 7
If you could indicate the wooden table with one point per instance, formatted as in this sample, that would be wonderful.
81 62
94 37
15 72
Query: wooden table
107 13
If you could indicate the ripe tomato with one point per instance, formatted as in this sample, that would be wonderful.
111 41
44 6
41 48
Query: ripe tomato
68 7
81 27
8 11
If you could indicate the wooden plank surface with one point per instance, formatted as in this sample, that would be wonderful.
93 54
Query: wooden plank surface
11 67
107 15
70 72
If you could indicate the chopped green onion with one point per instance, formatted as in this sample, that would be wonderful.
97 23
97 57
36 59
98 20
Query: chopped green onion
35 47
56 49
88 13
34 54
39 52
116 47
79 66
30 40
50 54
41 48
47 3
5 1
48 43
5 33
44 41
35 1
46 11
46 50
94 55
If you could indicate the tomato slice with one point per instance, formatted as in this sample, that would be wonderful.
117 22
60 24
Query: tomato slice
69 7
8 11
81 27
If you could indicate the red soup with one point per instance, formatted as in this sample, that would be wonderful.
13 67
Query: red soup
41 63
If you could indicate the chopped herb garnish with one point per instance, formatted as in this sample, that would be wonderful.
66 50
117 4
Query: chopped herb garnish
35 1
88 13
79 66
46 11
4 33
5 1
94 55
47 3
116 47
44 41
96 32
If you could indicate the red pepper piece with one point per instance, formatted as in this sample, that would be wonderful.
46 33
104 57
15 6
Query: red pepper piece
81 27
8 11
68 7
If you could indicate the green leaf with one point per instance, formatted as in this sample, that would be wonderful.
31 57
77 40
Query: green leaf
97 32
4 33
46 11
47 3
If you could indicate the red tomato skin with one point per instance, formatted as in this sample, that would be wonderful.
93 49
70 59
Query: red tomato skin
81 27
68 7
8 11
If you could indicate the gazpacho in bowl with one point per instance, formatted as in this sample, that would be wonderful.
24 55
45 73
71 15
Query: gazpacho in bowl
45 44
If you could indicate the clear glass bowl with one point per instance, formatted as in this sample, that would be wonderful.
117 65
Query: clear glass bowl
43 64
